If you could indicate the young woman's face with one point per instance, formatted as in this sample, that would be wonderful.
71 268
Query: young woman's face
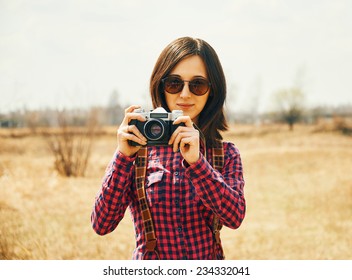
191 104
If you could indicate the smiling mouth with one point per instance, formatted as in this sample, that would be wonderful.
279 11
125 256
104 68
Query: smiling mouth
185 105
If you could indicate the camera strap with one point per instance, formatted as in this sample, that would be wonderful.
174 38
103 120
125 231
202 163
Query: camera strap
140 172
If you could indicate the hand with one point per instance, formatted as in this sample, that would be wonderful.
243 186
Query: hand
187 138
127 132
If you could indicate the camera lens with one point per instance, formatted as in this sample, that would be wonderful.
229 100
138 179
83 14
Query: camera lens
154 129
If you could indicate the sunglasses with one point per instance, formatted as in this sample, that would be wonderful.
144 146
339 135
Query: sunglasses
198 86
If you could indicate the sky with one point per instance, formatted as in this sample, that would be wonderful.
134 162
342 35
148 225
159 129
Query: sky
67 54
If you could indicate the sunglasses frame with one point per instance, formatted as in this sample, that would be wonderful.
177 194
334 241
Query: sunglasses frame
183 84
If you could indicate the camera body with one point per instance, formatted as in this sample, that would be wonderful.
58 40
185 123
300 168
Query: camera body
158 126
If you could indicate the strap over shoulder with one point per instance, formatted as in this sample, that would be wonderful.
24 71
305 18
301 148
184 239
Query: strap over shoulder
218 157
140 172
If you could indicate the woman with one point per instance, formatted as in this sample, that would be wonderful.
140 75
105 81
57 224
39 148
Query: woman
184 192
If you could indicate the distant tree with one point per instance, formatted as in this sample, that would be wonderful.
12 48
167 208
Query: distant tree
114 110
255 93
71 143
232 94
290 105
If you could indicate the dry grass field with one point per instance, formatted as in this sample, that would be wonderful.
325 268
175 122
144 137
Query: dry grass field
298 191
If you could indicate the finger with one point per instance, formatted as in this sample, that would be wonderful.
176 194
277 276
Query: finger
185 142
132 129
175 144
180 136
179 130
129 115
184 119
134 138
133 116
136 116
132 108
189 152
125 131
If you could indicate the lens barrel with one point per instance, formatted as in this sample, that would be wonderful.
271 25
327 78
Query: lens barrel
154 129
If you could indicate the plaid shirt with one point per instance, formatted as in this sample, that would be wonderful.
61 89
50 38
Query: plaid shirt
182 200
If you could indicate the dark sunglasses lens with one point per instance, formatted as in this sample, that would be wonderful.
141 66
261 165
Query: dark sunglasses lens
199 86
173 85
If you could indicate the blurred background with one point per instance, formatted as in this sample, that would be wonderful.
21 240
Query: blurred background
69 68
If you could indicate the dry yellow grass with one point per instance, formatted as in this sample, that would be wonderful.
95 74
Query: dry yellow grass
298 191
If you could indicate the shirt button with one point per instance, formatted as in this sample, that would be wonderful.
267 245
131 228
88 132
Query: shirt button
176 173
177 201
179 229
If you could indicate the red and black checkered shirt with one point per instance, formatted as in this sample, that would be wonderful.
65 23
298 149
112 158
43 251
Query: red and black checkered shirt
182 200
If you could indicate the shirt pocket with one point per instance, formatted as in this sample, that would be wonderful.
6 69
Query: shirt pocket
155 191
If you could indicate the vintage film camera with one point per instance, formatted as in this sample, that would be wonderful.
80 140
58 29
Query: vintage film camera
158 126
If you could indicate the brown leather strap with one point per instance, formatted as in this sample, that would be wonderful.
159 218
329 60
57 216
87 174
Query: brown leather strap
140 170
218 158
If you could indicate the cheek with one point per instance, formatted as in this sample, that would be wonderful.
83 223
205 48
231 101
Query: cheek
170 101
202 102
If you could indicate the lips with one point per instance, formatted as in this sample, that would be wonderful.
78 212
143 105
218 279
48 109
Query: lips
184 105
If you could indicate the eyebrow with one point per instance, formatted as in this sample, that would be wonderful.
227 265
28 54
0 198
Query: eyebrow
194 77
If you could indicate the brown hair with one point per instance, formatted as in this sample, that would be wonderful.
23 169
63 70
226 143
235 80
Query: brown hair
212 119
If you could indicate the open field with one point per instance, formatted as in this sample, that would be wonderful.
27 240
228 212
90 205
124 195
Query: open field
298 191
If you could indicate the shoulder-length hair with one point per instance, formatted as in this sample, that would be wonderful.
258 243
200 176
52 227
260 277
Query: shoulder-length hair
212 119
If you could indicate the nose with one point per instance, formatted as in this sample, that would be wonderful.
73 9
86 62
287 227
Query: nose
185 93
